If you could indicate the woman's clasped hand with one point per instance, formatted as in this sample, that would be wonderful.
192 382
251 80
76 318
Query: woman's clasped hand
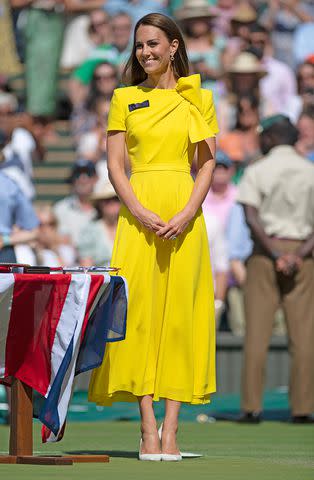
165 230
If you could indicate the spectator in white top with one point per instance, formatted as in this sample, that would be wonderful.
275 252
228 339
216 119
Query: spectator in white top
27 142
75 211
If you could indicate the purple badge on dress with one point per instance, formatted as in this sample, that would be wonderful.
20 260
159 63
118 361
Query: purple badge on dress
135 106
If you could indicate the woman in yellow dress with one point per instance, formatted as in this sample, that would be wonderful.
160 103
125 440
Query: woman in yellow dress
161 242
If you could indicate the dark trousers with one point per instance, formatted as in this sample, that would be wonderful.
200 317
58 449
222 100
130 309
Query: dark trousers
264 291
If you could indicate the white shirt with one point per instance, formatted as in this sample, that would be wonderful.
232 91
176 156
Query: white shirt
23 144
217 244
281 187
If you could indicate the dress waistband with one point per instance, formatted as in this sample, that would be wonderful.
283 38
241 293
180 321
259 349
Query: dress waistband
150 167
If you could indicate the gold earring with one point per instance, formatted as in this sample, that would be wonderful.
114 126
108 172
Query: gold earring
171 57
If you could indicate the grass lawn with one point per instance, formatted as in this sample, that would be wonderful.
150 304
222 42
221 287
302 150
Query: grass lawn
274 451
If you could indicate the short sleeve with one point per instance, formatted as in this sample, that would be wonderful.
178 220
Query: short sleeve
249 192
25 216
116 117
209 111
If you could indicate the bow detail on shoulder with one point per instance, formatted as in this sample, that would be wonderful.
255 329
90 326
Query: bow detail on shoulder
190 89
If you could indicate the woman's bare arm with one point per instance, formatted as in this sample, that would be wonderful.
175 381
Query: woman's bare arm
22 236
206 165
118 178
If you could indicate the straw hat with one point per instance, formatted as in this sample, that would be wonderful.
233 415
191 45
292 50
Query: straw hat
194 9
105 192
245 13
246 62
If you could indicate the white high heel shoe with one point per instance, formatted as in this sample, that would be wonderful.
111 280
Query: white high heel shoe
169 457
152 457
183 454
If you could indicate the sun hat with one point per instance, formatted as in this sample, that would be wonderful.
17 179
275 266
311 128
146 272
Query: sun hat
104 192
223 159
246 62
245 13
194 9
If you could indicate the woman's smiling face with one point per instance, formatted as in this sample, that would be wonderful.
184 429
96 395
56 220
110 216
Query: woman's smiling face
153 49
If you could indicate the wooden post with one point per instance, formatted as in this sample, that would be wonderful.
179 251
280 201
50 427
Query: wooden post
21 431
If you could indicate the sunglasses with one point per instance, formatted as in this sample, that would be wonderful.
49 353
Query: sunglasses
48 224
89 173
99 24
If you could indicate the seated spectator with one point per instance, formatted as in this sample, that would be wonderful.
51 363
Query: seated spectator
97 237
305 91
15 210
283 19
204 46
93 144
305 79
115 53
219 262
25 147
224 10
84 80
84 117
305 125
12 165
136 9
303 41
27 141
121 25
242 143
222 194
243 18
82 35
242 78
48 249
278 87
76 210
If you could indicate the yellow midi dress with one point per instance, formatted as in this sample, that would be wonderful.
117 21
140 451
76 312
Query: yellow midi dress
169 349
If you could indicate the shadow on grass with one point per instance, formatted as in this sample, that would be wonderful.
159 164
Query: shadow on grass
111 453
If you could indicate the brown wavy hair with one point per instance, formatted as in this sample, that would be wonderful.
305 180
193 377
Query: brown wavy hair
133 73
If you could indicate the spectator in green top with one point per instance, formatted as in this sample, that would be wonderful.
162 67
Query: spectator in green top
115 53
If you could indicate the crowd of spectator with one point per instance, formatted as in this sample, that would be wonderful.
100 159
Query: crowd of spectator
256 56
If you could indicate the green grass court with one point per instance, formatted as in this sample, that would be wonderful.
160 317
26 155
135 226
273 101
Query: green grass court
272 450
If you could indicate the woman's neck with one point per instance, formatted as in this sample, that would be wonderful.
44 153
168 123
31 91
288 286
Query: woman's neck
164 80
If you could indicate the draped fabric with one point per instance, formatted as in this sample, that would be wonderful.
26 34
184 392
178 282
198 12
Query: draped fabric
53 327
190 89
